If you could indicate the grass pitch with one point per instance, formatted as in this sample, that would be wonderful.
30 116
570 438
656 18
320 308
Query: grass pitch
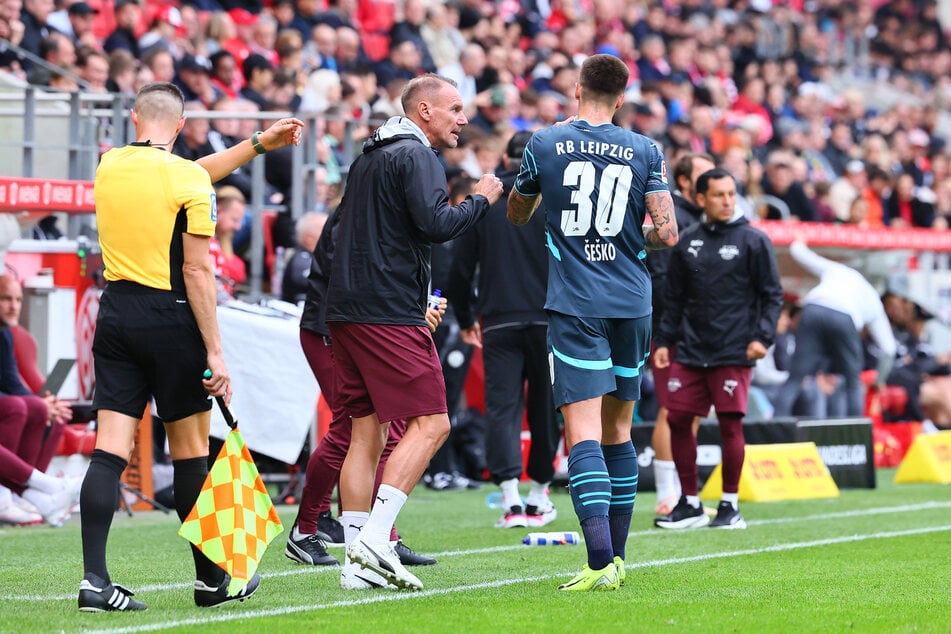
869 561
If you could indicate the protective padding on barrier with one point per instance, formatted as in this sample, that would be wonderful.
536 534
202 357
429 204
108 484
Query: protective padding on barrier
786 471
928 460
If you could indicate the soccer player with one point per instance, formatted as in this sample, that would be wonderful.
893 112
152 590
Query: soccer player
598 182
723 301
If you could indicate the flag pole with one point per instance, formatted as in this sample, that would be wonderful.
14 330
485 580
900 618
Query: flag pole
225 410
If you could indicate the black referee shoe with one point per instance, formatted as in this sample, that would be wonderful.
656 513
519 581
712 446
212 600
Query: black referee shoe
95 595
409 557
209 597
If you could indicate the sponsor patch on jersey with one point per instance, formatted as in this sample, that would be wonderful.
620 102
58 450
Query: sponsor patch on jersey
729 251
214 207
663 171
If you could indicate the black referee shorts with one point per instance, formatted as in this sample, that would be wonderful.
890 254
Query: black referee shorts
147 344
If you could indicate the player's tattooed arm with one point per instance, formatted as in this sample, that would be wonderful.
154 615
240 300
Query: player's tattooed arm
663 233
521 208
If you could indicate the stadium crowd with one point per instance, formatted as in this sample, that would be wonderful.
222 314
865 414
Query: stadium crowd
822 110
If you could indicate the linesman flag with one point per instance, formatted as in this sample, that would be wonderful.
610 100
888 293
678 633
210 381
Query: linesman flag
233 520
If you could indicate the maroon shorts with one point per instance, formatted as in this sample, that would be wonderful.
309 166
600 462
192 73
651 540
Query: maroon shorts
391 370
660 379
693 389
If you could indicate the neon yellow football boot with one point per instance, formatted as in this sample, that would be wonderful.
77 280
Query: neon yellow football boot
593 580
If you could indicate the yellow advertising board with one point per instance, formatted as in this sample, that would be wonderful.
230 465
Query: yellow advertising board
787 471
928 460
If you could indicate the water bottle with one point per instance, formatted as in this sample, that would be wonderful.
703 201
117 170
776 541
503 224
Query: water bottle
494 500
552 539
434 299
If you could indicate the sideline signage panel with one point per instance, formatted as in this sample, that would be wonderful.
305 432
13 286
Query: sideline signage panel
928 460
786 471
846 445
45 194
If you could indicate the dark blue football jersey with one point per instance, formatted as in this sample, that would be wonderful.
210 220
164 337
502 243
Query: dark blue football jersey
593 180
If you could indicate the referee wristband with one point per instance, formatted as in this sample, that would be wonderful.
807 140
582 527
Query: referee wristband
256 143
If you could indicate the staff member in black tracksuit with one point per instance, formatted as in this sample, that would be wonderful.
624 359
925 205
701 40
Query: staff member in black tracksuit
686 172
723 302
513 336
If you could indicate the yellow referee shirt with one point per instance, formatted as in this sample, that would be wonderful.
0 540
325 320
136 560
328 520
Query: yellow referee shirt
145 199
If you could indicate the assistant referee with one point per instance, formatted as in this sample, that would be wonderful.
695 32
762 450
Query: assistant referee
157 330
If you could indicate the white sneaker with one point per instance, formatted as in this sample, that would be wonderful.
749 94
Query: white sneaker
13 515
513 518
666 505
383 560
537 516
353 577
54 507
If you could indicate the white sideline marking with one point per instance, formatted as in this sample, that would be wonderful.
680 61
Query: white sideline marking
401 596
317 570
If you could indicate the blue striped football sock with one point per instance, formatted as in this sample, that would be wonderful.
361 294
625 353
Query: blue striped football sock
621 461
590 488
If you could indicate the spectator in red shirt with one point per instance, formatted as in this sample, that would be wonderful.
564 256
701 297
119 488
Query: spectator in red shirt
908 205
230 269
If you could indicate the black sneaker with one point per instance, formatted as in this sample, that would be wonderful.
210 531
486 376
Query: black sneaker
95 595
409 557
309 550
208 597
445 481
728 517
683 516
329 530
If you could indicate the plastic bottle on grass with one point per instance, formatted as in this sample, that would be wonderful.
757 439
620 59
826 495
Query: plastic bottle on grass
552 539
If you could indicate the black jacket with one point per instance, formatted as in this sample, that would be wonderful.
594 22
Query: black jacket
395 206
658 262
723 293
512 269
314 317
922 213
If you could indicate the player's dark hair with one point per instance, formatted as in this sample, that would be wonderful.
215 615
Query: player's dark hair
603 77
684 165
703 181
516 145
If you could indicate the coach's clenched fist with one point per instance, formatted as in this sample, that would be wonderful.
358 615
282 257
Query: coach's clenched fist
489 186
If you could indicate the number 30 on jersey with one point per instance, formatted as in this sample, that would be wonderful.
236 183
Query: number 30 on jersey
613 190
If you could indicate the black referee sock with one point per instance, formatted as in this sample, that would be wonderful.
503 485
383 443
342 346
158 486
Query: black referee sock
189 476
98 500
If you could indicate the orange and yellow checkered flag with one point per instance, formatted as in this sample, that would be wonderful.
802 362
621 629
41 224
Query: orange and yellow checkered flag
233 520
